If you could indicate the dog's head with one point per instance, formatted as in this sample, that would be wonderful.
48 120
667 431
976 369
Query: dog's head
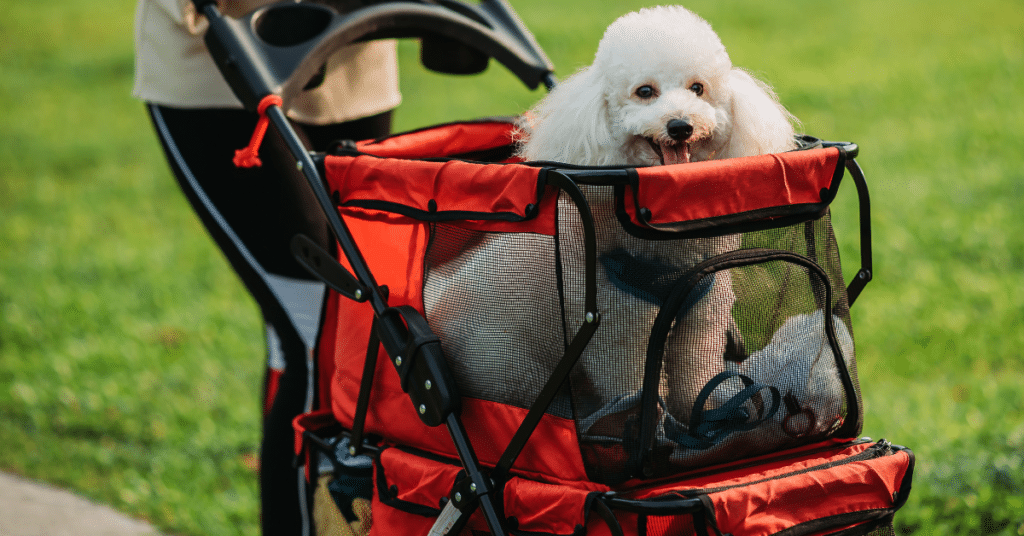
661 90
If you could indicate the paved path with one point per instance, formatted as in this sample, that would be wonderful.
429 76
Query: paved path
29 508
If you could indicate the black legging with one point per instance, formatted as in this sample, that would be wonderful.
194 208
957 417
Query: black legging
262 208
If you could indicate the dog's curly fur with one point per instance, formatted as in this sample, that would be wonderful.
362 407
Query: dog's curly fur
596 117
661 90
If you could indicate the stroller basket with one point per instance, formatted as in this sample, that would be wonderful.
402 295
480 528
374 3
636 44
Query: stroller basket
504 262
654 347
712 330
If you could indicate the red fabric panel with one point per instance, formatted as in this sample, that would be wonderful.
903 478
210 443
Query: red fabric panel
452 185
545 508
312 421
326 351
419 481
779 504
442 141
393 247
388 521
715 477
671 525
551 454
309 422
699 190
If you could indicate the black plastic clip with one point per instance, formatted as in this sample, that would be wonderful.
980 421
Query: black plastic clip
416 353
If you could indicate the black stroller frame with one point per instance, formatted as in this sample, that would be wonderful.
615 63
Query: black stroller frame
275 50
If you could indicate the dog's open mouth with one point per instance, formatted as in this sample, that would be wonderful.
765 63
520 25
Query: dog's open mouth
672 152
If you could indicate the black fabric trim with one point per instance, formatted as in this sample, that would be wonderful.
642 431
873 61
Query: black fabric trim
751 220
837 176
707 516
871 519
436 216
472 157
666 316
665 505
740 222
867 528
908 480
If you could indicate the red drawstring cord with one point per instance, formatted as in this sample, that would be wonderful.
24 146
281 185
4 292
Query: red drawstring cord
248 156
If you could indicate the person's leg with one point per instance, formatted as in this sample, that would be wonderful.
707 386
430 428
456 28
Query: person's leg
252 214
320 137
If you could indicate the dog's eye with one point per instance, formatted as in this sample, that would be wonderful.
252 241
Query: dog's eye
697 88
645 92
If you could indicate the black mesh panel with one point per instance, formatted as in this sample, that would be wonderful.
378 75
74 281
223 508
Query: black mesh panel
746 364
728 336
492 298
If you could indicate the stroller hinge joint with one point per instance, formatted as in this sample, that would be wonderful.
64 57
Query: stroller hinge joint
422 369
467 491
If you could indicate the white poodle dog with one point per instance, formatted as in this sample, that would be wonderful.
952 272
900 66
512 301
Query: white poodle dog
661 91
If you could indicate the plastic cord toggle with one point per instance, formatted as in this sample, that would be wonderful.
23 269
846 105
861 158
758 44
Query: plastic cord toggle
248 156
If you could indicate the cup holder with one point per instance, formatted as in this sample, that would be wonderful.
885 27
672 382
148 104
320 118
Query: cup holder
293 24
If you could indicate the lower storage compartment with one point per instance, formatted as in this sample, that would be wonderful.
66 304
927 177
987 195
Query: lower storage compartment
849 488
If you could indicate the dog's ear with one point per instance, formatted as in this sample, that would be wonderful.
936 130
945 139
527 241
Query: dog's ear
571 123
760 125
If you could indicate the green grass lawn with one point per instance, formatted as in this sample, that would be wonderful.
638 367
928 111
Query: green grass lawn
131 357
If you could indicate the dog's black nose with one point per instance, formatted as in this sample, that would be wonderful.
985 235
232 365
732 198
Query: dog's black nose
679 129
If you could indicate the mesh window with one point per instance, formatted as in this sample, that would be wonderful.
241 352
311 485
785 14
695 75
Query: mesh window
492 298
744 364
708 350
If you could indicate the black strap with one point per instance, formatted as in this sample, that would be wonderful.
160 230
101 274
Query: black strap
608 516
366 382
706 516
365 387
547 394
709 427
579 342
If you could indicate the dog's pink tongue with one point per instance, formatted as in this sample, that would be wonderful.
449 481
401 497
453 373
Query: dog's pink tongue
675 153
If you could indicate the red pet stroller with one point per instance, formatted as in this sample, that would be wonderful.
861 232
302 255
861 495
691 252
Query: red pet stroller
491 358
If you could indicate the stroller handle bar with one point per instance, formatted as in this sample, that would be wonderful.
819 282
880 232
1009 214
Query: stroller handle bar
280 48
